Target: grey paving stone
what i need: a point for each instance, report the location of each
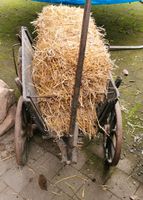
(61, 196)
(96, 147)
(7, 145)
(82, 158)
(89, 169)
(42, 159)
(94, 169)
(6, 165)
(139, 192)
(18, 178)
(138, 171)
(48, 145)
(35, 152)
(32, 191)
(9, 194)
(92, 191)
(2, 185)
(126, 165)
(8, 137)
(69, 180)
(122, 185)
(48, 165)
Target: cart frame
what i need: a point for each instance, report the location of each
(28, 113)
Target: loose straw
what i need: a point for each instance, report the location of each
(54, 63)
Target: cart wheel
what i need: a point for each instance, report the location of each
(21, 132)
(113, 142)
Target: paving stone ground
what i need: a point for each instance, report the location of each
(88, 180)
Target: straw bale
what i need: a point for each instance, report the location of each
(54, 63)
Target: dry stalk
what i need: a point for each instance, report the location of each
(54, 63)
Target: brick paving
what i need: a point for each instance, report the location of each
(85, 181)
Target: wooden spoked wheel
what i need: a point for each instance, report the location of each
(113, 141)
(22, 132)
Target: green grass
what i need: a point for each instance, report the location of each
(122, 22)
(13, 15)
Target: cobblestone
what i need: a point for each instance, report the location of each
(87, 179)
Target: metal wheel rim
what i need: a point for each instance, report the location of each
(21, 138)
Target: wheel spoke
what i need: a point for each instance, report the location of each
(111, 141)
(110, 149)
(113, 145)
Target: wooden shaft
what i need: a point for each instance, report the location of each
(79, 69)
